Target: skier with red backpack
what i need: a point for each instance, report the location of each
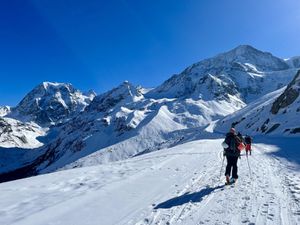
(233, 146)
(248, 141)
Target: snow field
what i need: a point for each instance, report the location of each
(180, 185)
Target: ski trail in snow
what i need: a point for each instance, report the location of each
(193, 183)
(180, 185)
(257, 199)
(203, 185)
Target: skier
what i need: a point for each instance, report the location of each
(241, 137)
(233, 146)
(248, 141)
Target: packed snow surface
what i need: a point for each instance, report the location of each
(179, 185)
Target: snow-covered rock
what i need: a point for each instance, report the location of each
(4, 110)
(244, 72)
(14, 133)
(46, 105)
(50, 103)
(276, 113)
(125, 93)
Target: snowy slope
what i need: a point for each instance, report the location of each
(180, 185)
(274, 114)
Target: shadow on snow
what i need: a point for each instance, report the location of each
(187, 197)
(287, 148)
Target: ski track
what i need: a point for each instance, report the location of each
(180, 185)
(256, 198)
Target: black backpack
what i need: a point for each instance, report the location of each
(233, 142)
(248, 140)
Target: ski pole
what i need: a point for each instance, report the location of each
(221, 167)
(249, 167)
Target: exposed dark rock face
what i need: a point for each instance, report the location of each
(264, 127)
(295, 130)
(4, 127)
(274, 127)
(290, 94)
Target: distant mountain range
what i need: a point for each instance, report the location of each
(56, 126)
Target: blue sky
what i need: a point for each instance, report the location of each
(97, 44)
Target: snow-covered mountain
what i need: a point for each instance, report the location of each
(125, 93)
(276, 113)
(46, 105)
(123, 123)
(49, 103)
(244, 72)
(129, 120)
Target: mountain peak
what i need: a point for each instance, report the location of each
(91, 93)
(248, 55)
(50, 102)
(125, 92)
(126, 88)
(54, 86)
(246, 52)
(245, 48)
(243, 68)
(125, 84)
(46, 84)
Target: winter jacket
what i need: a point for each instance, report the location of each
(233, 141)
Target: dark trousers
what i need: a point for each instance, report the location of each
(232, 163)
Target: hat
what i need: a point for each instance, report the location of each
(232, 130)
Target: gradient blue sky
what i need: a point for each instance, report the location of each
(97, 44)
